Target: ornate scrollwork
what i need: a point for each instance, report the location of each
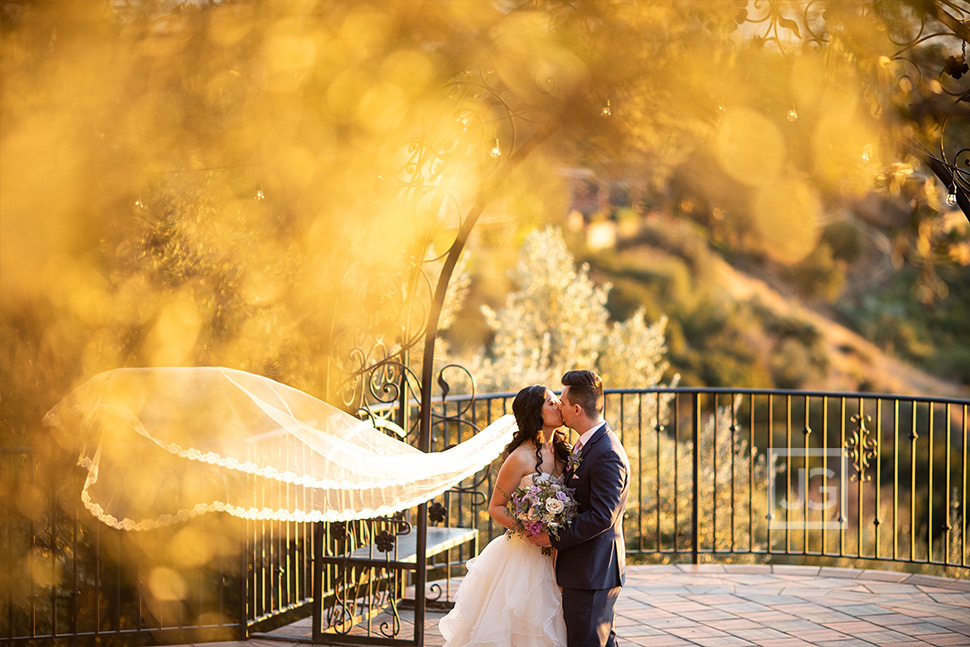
(393, 628)
(861, 448)
(384, 541)
(782, 21)
(362, 590)
(928, 73)
(360, 587)
(466, 405)
(389, 316)
(437, 513)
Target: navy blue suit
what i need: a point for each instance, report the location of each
(591, 563)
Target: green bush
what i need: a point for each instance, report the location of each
(793, 365)
(819, 275)
(845, 239)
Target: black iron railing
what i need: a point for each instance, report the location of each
(716, 475)
(775, 475)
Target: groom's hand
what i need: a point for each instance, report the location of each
(542, 539)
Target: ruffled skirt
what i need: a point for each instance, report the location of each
(509, 597)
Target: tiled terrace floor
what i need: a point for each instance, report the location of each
(778, 606)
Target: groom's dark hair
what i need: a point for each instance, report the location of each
(586, 390)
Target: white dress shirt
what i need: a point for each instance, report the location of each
(585, 437)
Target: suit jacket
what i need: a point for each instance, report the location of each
(592, 552)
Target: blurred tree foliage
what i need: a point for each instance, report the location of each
(271, 185)
(556, 318)
(257, 184)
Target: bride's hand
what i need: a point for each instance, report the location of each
(541, 539)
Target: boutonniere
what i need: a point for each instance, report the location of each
(575, 460)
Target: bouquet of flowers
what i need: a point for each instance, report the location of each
(541, 506)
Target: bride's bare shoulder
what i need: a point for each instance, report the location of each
(521, 455)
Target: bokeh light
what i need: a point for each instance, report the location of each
(246, 183)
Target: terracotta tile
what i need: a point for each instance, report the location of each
(830, 571)
(754, 579)
(853, 627)
(786, 570)
(946, 639)
(920, 629)
(795, 627)
(703, 568)
(730, 626)
(712, 598)
(715, 605)
(895, 618)
(714, 590)
(867, 610)
(883, 576)
(661, 641)
(692, 633)
(887, 637)
(931, 580)
(652, 612)
(818, 635)
(741, 607)
(711, 615)
(760, 636)
(725, 641)
(639, 632)
(748, 568)
(950, 616)
(769, 617)
(668, 623)
(827, 617)
(954, 599)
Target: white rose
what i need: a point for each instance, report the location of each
(555, 506)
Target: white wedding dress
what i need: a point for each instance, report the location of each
(508, 598)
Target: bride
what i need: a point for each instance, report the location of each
(510, 595)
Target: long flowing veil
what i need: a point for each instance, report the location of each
(161, 445)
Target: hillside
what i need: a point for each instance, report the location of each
(747, 325)
(849, 353)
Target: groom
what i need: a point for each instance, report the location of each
(591, 562)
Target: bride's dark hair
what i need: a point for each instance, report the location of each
(527, 409)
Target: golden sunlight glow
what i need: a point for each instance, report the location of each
(166, 585)
(601, 235)
(245, 183)
(749, 147)
(786, 215)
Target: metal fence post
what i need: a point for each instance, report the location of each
(695, 512)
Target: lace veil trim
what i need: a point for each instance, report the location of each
(163, 445)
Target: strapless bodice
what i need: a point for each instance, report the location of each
(536, 478)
